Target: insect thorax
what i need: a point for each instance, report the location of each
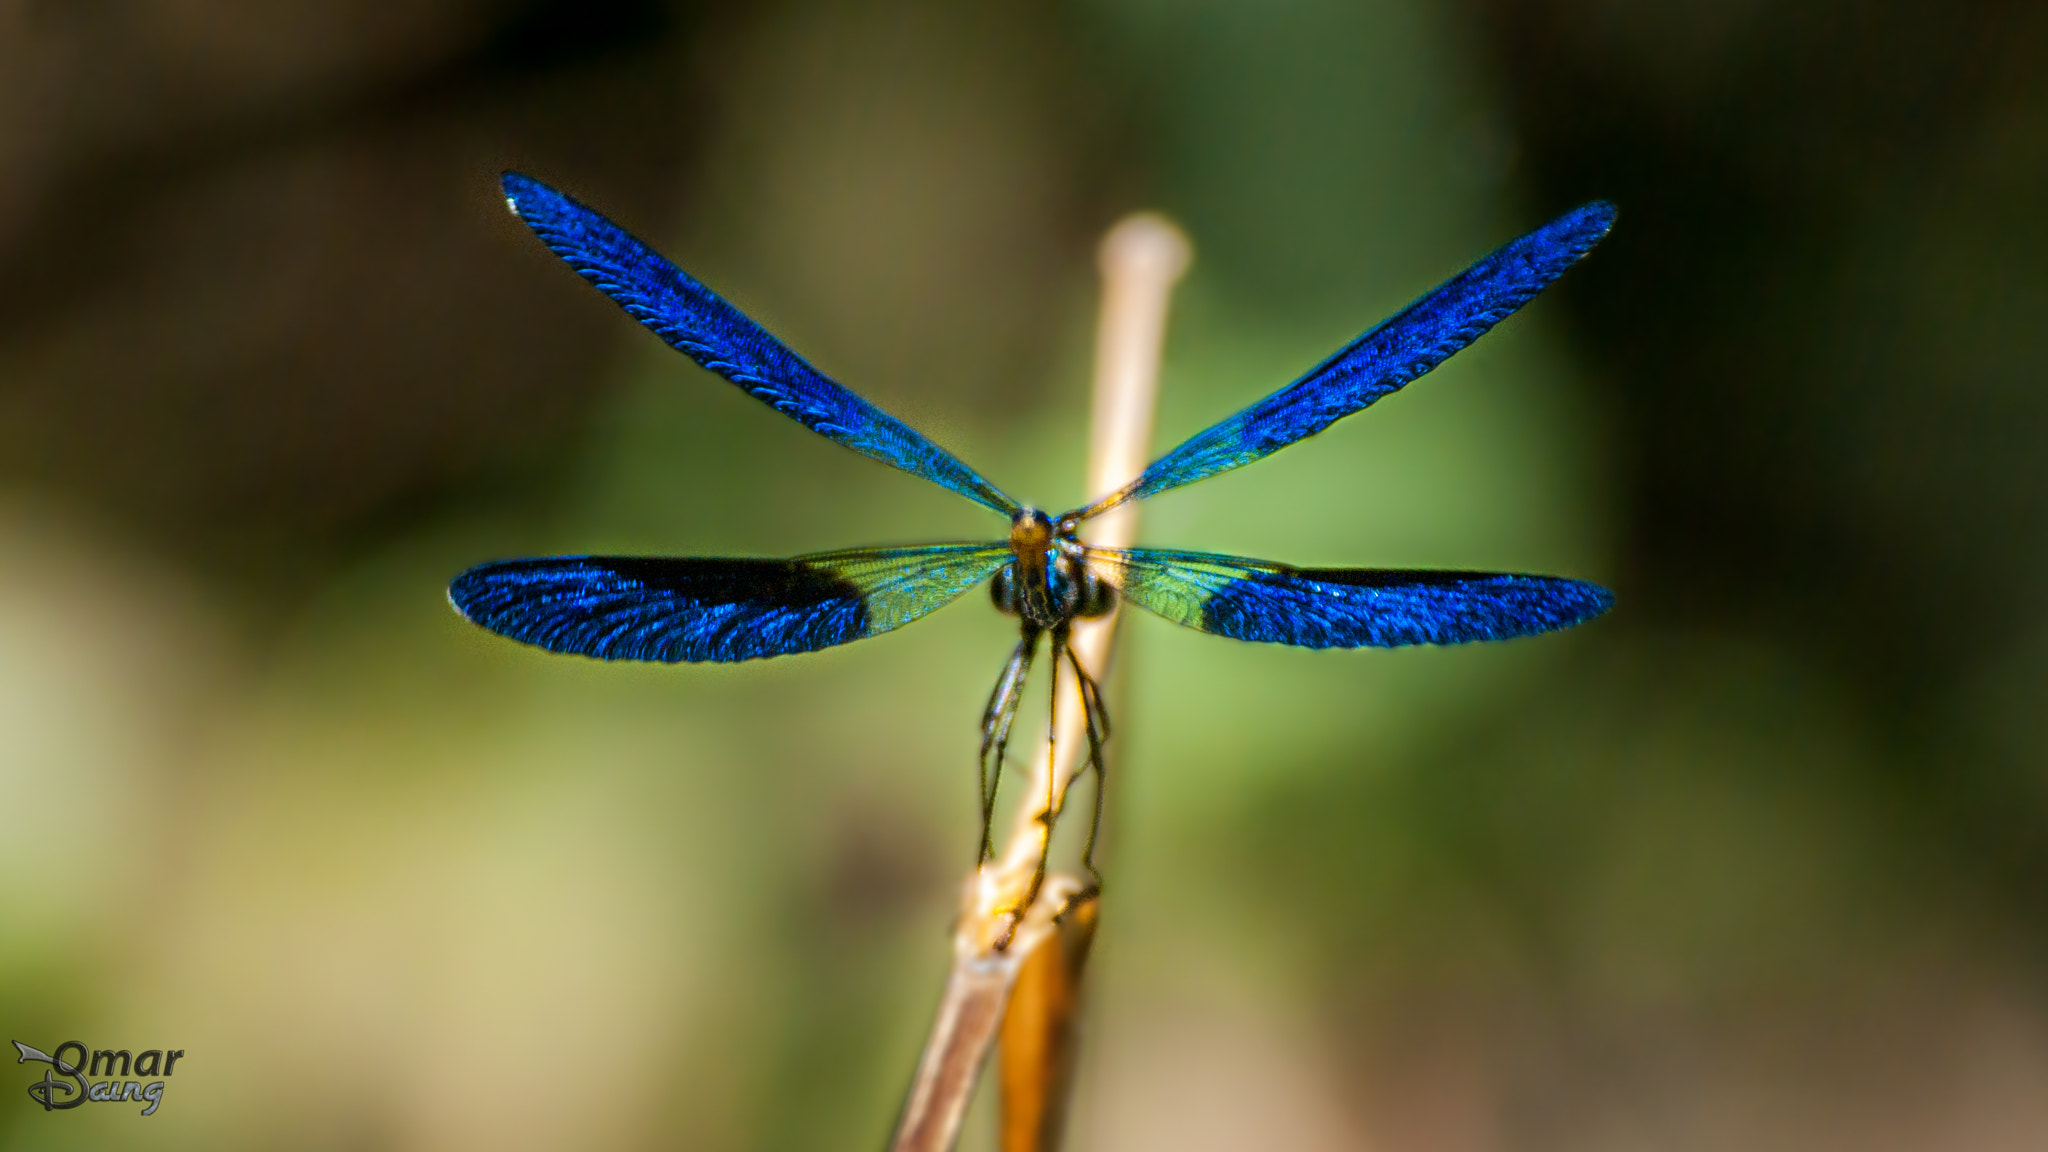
(1045, 582)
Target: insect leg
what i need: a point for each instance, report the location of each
(1050, 812)
(995, 727)
(1097, 717)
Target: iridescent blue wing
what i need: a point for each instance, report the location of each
(1401, 348)
(672, 609)
(1343, 607)
(695, 321)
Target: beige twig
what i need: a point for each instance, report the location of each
(1141, 258)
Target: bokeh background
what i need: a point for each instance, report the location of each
(1754, 862)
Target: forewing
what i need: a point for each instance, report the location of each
(674, 610)
(1401, 348)
(694, 320)
(1343, 607)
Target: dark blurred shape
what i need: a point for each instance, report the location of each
(554, 33)
(1821, 322)
(1821, 315)
(257, 290)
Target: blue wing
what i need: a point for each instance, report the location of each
(1343, 607)
(673, 610)
(1399, 349)
(695, 321)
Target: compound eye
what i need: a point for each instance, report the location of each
(1096, 598)
(1002, 589)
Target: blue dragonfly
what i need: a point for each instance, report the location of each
(727, 609)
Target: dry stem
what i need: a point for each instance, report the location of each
(1140, 259)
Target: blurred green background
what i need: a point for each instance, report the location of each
(1754, 862)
